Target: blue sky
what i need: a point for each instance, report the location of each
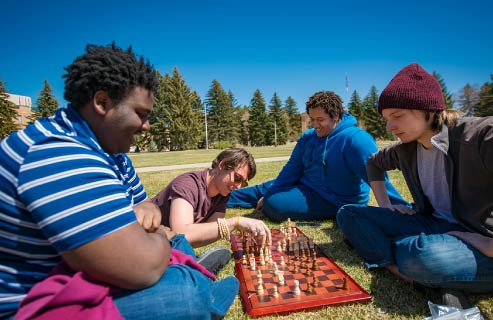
(293, 48)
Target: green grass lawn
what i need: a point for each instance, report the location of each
(392, 298)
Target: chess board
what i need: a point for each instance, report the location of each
(333, 285)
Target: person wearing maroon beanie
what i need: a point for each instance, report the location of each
(444, 243)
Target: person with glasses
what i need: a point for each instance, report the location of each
(326, 169)
(194, 204)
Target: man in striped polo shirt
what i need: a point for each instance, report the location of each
(68, 191)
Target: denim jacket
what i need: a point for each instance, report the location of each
(469, 171)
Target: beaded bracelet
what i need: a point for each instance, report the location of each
(223, 229)
(237, 223)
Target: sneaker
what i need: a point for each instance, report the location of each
(454, 298)
(214, 259)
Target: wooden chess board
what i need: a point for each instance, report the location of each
(327, 285)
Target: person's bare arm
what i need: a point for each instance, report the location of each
(148, 215)
(201, 234)
(129, 258)
(383, 200)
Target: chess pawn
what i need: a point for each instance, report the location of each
(279, 246)
(283, 245)
(297, 290)
(243, 261)
(259, 277)
(275, 294)
(282, 261)
(315, 264)
(252, 264)
(262, 259)
(275, 267)
(280, 276)
(260, 290)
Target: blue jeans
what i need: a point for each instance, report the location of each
(419, 247)
(181, 293)
(298, 203)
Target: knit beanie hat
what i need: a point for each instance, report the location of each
(412, 88)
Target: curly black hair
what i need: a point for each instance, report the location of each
(110, 69)
(328, 101)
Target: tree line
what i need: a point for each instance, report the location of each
(182, 121)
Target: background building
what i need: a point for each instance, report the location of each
(23, 105)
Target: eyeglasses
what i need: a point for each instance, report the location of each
(240, 180)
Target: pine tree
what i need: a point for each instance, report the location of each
(159, 132)
(355, 107)
(220, 116)
(236, 127)
(294, 119)
(184, 126)
(468, 99)
(277, 127)
(374, 123)
(176, 122)
(485, 107)
(47, 104)
(447, 96)
(258, 119)
(8, 113)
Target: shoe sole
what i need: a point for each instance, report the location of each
(214, 259)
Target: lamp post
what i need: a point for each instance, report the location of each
(205, 121)
(275, 132)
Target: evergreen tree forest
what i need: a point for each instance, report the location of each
(182, 121)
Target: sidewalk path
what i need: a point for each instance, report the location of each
(200, 165)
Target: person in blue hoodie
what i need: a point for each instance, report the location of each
(326, 169)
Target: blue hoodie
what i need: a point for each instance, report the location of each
(334, 166)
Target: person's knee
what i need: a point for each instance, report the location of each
(272, 209)
(345, 216)
(424, 259)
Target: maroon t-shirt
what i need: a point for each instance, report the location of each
(190, 186)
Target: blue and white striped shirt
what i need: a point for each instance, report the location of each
(58, 191)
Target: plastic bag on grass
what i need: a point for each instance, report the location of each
(441, 312)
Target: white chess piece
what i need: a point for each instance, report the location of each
(276, 292)
(297, 290)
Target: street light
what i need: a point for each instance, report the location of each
(205, 120)
(275, 126)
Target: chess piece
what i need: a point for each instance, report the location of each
(282, 261)
(279, 246)
(315, 265)
(259, 277)
(344, 283)
(260, 290)
(297, 290)
(280, 276)
(262, 259)
(275, 294)
(252, 264)
(315, 282)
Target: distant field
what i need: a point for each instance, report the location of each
(392, 299)
(152, 159)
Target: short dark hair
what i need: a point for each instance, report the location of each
(235, 158)
(328, 101)
(110, 69)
